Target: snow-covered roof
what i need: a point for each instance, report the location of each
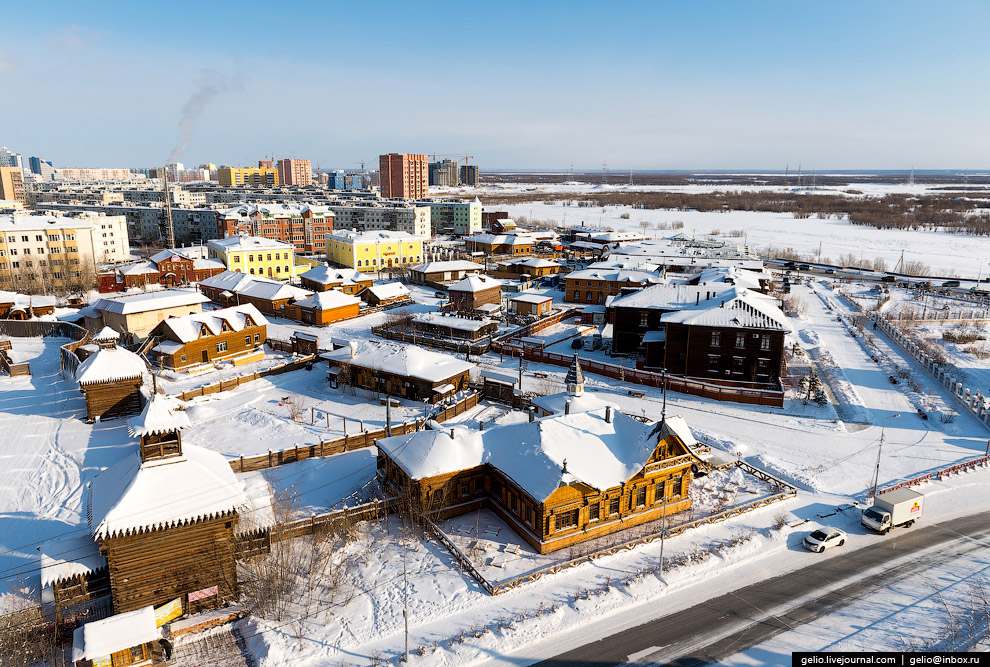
(618, 275)
(389, 291)
(401, 360)
(275, 210)
(453, 265)
(187, 328)
(744, 309)
(24, 301)
(327, 275)
(531, 298)
(106, 333)
(475, 284)
(240, 242)
(141, 303)
(131, 497)
(207, 264)
(168, 347)
(600, 453)
(586, 402)
(371, 236)
(519, 239)
(161, 414)
(258, 287)
(460, 323)
(139, 269)
(110, 365)
(70, 556)
(532, 262)
(188, 253)
(99, 639)
(328, 300)
(677, 297)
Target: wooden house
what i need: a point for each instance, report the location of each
(138, 314)
(165, 518)
(448, 327)
(73, 572)
(237, 334)
(443, 273)
(110, 378)
(385, 295)
(518, 244)
(271, 297)
(122, 640)
(525, 268)
(323, 308)
(537, 305)
(596, 285)
(323, 277)
(15, 306)
(400, 370)
(557, 480)
(473, 292)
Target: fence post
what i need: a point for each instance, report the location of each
(269, 458)
(242, 463)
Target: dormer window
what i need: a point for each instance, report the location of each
(204, 330)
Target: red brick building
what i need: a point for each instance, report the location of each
(167, 267)
(404, 176)
(303, 226)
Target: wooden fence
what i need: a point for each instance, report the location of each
(233, 383)
(347, 443)
(38, 329)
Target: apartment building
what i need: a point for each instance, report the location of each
(295, 172)
(454, 216)
(12, 184)
(404, 176)
(191, 224)
(374, 250)
(252, 176)
(94, 174)
(469, 174)
(57, 249)
(444, 173)
(364, 216)
(303, 226)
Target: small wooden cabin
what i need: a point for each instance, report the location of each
(473, 292)
(323, 308)
(164, 518)
(123, 640)
(385, 295)
(321, 278)
(110, 378)
(531, 304)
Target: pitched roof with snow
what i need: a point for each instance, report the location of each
(452, 265)
(69, 556)
(475, 284)
(602, 454)
(459, 323)
(131, 497)
(531, 298)
(141, 303)
(617, 275)
(110, 365)
(677, 297)
(160, 415)
(328, 300)
(402, 360)
(100, 639)
(744, 310)
(327, 275)
(139, 269)
(187, 328)
(258, 287)
(106, 333)
(389, 291)
(248, 243)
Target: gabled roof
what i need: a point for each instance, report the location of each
(677, 297)
(327, 275)
(388, 291)
(475, 283)
(139, 269)
(99, 639)
(401, 360)
(106, 333)
(328, 300)
(161, 415)
(618, 275)
(258, 287)
(452, 265)
(187, 328)
(141, 303)
(745, 310)
(459, 323)
(110, 365)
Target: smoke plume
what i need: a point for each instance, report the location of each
(210, 85)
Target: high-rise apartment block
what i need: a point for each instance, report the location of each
(260, 177)
(404, 176)
(42, 169)
(444, 173)
(9, 158)
(12, 184)
(469, 174)
(295, 172)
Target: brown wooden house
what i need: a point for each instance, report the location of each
(399, 370)
(447, 327)
(473, 292)
(269, 296)
(596, 285)
(110, 378)
(122, 640)
(443, 272)
(526, 267)
(531, 304)
(169, 268)
(323, 277)
(386, 295)
(165, 516)
(557, 481)
(237, 333)
(323, 308)
(15, 306)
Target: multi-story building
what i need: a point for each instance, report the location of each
(94, 174)
(404, 176)
(56, 251)
(43, 170)
(255, 256)
(454, 216)
(9, 158)
(192, 225)
(596, 285)
(12, 184)
(336, 179)
(374, 250)
(257, 177)
(469, 174)
(363, 216)
(295, 172)
(444, 173)
(304, 226)
(169, 268)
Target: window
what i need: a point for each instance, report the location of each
(39, 237)
(644, 318)
(658, 492)
(25, 239)
(278, 270)
(641, 496)
(465, 489)
(716, 339)
(613, 506)
(713, 363)
(250, 258)
(222, 346)
(738, 363)
(589, 297)
(740, 340)
(269, 257)
(252, 270)
(27, 251)
(479, 485)
(675, 489)
(13, 252)
(594, 512)
(257, 338)
(568, 519)
(182, 358)
(765, 342)
(762, 367)
(247, 340)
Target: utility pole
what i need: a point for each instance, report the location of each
(405, 599)
(876, 473)
(663, 420)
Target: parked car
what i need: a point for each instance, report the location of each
(950, 283)
(829, 271)
(440, 295)
(577, 343)
(825, 538)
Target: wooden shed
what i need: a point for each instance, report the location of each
(323, 308)
(385, 295)
(531, 304)
(110, 378)
(122, 640)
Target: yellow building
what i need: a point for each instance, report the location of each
(12, 184)
(373, 250)
(254, 255)
(255, 176)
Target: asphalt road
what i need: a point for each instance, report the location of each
(720, 627)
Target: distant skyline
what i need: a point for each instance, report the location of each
(637, 85)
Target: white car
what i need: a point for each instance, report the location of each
(825, 538)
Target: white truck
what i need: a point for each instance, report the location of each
(901, 507)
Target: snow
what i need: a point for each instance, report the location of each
(161, 414)
(69, 556)
(452, 265)
(389, 291)
(461, 323)
(554, 403)
(475, 283)
(140, 303)
(743, 309)
(328, 300)
(106, 333)
(401, 360)
(98, 639)
(248, 243)
(325, 275)
(187, 328)
(110, 365)
(531, 298)
(132, 497)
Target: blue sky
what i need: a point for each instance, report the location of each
(641, 85)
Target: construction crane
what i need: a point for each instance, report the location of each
(362, 165)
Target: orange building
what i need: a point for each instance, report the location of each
(295, 172)
(404, 176)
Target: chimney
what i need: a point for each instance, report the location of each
(722, 304)
(532, 414)
(567, 408)
(697, 298)
(608, 414)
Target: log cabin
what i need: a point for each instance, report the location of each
(525, 268)
(385, 295)
(537, 305)
(323, 277)
(448, 327)
(444, 272)
(165, 517)
(271, 297)
(122, 640)
(473, 292)
(323, 308)
(110, 378)
(237, 334)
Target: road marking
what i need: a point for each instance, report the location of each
(635, 657)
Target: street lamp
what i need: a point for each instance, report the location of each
(876, 473)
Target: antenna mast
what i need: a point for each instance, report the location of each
(604, 173)
(168, 228)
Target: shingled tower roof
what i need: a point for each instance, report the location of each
(575, 378)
